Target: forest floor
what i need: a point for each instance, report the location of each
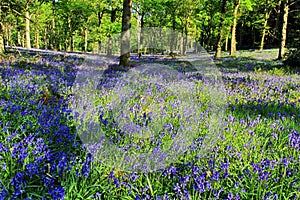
(76, 126)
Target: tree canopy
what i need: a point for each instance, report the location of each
(90, 25)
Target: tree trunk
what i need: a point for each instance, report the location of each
(52, 32)
(140, 36)
(125, 38)
(19, 37)
(8, 35)
(113, 17)
(70, 48)
(86, 39)
(100, 16)
(37, 33)
(219, 44)
(233, 35)
(1, 40)
(27, 29)
(37, 39)
(262, 42)
(45, 39)
(185, 39)
(172, 42)
(109, 46)
(226, 40)
(284, 30)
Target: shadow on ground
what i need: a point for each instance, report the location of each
(248, 64)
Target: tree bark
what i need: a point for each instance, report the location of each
(226, 40)
(86, 38)
(27, 29)
(172, 41)
(233, 35)
(140, 36)
(52, 32)
(185, 39)
(100, 16)
(262, 42)
(45, 39)
(37, 39)
(1, 39)
(219, 44)
(113, 17)
(284, 29)
(125, 38)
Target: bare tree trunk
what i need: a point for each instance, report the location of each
(219, 44)
(19, 38)
(27, 29)
(45, 39)
(70, 48)
(86, 39)
(37, 39)
(113, 17)
(172, 45)
(233, 35)
(100, 16)
(284, 29)
(185, 39)
(226, 42)
(262, 42)
(125, 40)
(37, 33)
(109, 46)
(1, 39)
(140, 36)
(8, 35)
(52, 32)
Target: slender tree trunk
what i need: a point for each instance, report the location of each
(27, 29)
(1, 39)
(226, 41)
(19, 37)
(233, 35)
(284, 29)
(219, 44)
(262, 42)
(172, 45)
(37, 39)
(109, 46)
(125, 40)
(185, 39)
(100, 16)
(8, 35)
(86, 39)
(37, 33)
(52, 32)
(70, 48)
(140, 35)
(45, 39)
(113, 17)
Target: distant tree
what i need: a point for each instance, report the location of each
(125, 38)
(1, 39)
(285, 11)
(220, 38)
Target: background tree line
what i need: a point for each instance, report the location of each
(90, 25)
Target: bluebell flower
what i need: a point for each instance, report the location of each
(57, 193)
(3, 193)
